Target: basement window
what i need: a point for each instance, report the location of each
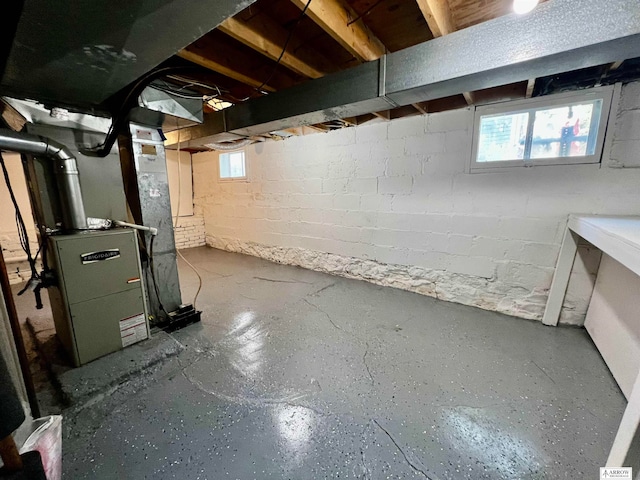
(232, 166)
(558, 129)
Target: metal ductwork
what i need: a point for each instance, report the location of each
(558, 36)
(66, 172)
(79, 54)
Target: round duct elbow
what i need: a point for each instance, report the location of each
(230, 146)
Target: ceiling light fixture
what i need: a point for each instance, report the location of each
(524, 6)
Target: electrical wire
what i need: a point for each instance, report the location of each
(181, 95)
(171, 91)
(366, 12)
(198, 84)
(190, 83)
(103, 149)
(284, 49)
(175, 226)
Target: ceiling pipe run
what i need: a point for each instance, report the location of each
(557, 37)
(66, 172)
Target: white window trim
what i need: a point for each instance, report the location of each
(246, 167)
(608, 109)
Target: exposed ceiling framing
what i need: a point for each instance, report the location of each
(449, 72)
(275, 44)
(260, 48)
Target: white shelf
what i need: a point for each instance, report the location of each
(618, 237)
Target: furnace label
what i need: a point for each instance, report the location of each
(133, 329)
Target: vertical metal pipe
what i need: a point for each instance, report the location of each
(68, 182)
(66, 172)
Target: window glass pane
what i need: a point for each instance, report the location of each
(224, 165)
(502, 137)
(236, 164)
(232, 165)
(566, 131)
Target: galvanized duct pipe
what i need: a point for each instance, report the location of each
(66, 171)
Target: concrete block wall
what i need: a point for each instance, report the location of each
(190, 232)
(391, 203)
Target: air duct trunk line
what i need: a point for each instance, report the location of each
(66, 172)
(382, 86)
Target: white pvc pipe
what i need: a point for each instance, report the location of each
(152, 230)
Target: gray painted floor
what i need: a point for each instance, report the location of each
(299, 375)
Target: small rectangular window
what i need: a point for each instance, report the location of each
(232, 165)
(558, 129)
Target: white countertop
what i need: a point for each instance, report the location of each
(617, 236)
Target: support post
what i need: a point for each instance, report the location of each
(561, 278)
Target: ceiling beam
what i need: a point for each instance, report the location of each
(338, 19)
(420, 107)
(468, 97)
(384, 115)
(14, 120)
(221, 65)
(438, 16)
(616, 65)
(268, 37)
(531, 84)
(530, 38)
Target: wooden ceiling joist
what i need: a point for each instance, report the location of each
(340, 21)
(221, 53)
(385, 115)
(220, 64)
(268, 37)
(420, 107)
(531, 84)
(468, 97)
(438, 15)
(319, 127)
(14, 120)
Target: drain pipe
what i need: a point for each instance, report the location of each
(66, 171)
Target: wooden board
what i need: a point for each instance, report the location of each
(471, 12)
(397, 23)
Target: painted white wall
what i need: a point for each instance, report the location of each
(390, 203)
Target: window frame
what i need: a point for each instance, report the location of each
(244, 160)
(606, 94)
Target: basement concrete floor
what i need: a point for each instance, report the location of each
(294, 374)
